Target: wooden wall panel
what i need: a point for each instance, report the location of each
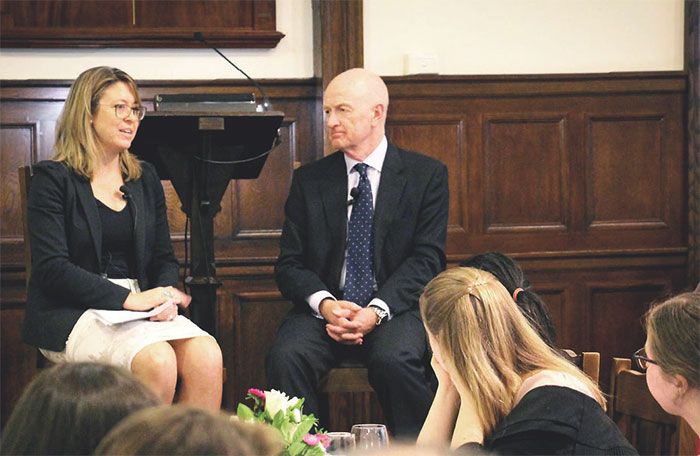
(557, 299)
(530, 147)
(552, 170)
(22, 140)
(626, 172)
(609, 304)
(442, 138)
(254, 318)
(255, 199)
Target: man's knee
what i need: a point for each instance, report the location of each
(388, 367)
(282, 359)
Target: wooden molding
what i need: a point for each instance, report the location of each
(692, 66)
(139, 38)
(137, 24)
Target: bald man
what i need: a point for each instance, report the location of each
(401, 199)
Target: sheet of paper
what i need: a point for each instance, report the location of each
(115, 317)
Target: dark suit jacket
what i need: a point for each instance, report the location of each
(410, 224)
(66, 239)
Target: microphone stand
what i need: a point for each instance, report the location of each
(266, 102)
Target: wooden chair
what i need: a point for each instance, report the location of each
(588, 362)
(347, 398)
(641, 419)
(25, 180)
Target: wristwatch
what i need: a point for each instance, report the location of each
(381, 314)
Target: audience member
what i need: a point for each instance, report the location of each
(100, 240)
(68, 408)
(508, 272)
(671, 356)
(501, 387)
(364, 231)
(186, 430)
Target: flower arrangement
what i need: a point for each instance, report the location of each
(284, 414)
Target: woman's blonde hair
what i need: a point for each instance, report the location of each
(76, 143)
(673, 330)
(486, 340)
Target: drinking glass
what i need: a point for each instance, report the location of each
(370, 436)
(341, 444)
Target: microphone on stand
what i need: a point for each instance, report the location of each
(354, 193)
(266, 102)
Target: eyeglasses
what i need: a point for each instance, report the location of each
(640, 356)
(122, 111)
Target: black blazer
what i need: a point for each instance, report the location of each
(410, 225)
(66, 240)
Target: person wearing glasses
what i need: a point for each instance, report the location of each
(100, 240)
(500, 386)
(671, 356)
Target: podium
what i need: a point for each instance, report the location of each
(200, 153)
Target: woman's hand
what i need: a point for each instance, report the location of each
(444, 379)
(146, 300)
(169, 314)
(440, 422)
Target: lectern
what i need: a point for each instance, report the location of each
(200, 153)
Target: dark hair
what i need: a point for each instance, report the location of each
(186, 430)
(507, 271)
(68, 408)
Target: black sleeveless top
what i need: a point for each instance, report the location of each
(117, 241)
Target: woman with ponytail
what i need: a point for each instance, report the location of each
(500, 386)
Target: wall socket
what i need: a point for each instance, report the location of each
(419, 63)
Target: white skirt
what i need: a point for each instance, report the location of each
(93, 340)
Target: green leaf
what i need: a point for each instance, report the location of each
(303, 429)
(295, 449)
(313, 451)
(244, 412)
(278, 419)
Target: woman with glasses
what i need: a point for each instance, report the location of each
(500, 386)
(671, 356)
(100, 240)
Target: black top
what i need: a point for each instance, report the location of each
(66, 239)
(555, 420)
(117, 241)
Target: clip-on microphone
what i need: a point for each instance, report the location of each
(354, 193)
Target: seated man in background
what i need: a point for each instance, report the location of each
(364, 232)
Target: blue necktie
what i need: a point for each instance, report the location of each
(359, 279)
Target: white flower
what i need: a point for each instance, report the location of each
(297, 416)
(277, 400)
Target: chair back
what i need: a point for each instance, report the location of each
(25, 180)
(588, 362)
(641, 419)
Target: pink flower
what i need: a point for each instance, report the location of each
(325, 440)
(311, 440)
(256, 392)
